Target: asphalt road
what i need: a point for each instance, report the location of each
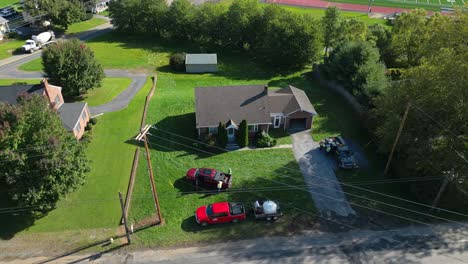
(443, 244)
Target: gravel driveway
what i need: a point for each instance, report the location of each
(327, 194)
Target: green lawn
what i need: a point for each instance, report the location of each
(399, 4)
(4, 3)
(111, 87)
(317, 12)
(172, 108)
(96, 203)
(7, 47)
(18, 81)
(85, 25)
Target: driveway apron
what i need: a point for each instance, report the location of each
(318, 172)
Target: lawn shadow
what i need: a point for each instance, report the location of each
(14, 222)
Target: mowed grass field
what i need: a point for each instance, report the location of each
(84, 25)
(430, 5)
(96, 204)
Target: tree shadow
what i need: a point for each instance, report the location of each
(15, 221)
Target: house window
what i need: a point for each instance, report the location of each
(83, 115)
(78, 127)
(212, 130)
(57, 100)
(253, 128)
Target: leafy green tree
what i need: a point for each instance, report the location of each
(352, 29)
(139, 16)
(427, 147)
(243, 136)
(410, 36)
(59, 12)
(207, 21)
(289, 40)
(357, 66)
(180, 18)
(331, 24)
(71, 65)
(41, 161)
(241, 23)
(222, 138)
(382, 37)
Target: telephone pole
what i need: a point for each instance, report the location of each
(129, 240)
(153, 185)
(402, 124)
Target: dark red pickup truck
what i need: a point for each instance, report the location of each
(223, 212)
(209, 177)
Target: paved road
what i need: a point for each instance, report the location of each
(417, 244)
(327, 194)
(9, 69)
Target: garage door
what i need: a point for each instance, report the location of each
(297, 124)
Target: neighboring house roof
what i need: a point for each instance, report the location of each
(9, 94)
(70, 114)
(201, 59)
(253, 103)
(3, 20)
(220, 104)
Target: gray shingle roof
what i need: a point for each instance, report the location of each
(70, 114)
(249, 102)
(9, 94)
(201, 59)
(220, 104)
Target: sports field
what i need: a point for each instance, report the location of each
(377, 6)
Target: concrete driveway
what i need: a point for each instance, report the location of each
(319, 174)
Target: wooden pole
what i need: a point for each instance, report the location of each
(153, 185)
(441, 191)
(402, 123)
(124, 218)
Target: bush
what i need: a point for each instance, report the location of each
(88, 127)
(210, 140)
(177, 62)
(263, 140)
(93, 121)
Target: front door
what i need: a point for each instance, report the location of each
(277, 121)
(230, 133)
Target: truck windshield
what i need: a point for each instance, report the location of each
(209, 210)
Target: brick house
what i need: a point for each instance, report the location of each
(74, 116)
(287, 108)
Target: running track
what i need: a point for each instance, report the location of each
(343, 6)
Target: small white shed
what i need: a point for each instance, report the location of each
(201, 63)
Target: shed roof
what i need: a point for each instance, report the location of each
(201, 59)
(70, 114)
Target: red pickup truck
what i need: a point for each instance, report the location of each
(223, 212)
(209, 177)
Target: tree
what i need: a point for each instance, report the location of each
(382, 37)
(289, 41)
(222, 135)
(357, 66)
(331, 24)
(241, 23)
(243, 136)
(59, 12)
(41, 161)
(207, 21)
(352, 30)
(410, 36)
(180, 17)
(71, 65)
(177, 61)
(138, 16)
(427, 146)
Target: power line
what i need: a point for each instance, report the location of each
(346, 184)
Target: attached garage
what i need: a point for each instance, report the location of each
(298, 124)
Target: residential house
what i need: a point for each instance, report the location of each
(98, 6)
(4, 28)
(196, 63)
(74, 116)
(288, 108)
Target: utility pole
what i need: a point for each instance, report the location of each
(441, 191)
(153, 185)
(129, 240)
(369, 10)
(402, 124)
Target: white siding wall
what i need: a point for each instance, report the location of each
(201, 68)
